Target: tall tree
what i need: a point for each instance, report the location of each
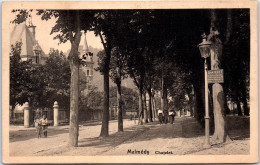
(104, 26)
(69, 25)
(220, 133)
(236, 54)
(57, 85)
(118, 72)
(105, 71)
(137, 25)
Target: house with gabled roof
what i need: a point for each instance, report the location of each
(30, 50)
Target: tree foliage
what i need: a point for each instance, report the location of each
(129, 98)
(40, 85)
(19, 77)
(57, 74)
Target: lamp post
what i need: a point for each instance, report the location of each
(204, 48)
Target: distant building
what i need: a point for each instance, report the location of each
(30, 50)
(87, 69)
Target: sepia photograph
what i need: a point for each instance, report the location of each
(130, 82)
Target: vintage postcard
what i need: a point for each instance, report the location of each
(130, 82)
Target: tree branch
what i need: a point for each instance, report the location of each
(229, 25)
(102, 40)
(133, 75)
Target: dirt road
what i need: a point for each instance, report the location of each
(24, 141)
(185, 136)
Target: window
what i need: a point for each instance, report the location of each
(87, 72)
(37, 60)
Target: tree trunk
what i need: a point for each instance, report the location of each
(220, 132)
(154, 108)
(191, 110)
(140, 107)
(245, 106)
(163, 95)
(195, 109)
(226, 106)
(120, 113)
(239, 111)
(199, 106)
(12, 112)
(105, 120)
(191, 102)
(74, 84)
(150, 106)
(74, 105)
(229, 26)
(145, 108)
(227, 44)
(165, 100)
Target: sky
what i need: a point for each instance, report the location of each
(46, 41)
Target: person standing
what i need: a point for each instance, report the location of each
(44, 124)
(160, 114)
(171, 115)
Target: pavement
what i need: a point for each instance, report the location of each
(184, 136)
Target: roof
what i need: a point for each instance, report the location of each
(22, 33)
(85, 45)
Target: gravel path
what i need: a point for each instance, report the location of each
(24, 141)
(183, 137)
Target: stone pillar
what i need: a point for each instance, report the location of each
(115, 112)
(110, 113)
(26, 113)
(179, 113)
(55, 114)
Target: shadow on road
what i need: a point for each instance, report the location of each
(114, 139)
(238, 127)
(145, 132)
(185, 127)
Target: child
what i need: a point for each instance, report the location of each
(44, 123)
(38, 127)
(171, 115)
